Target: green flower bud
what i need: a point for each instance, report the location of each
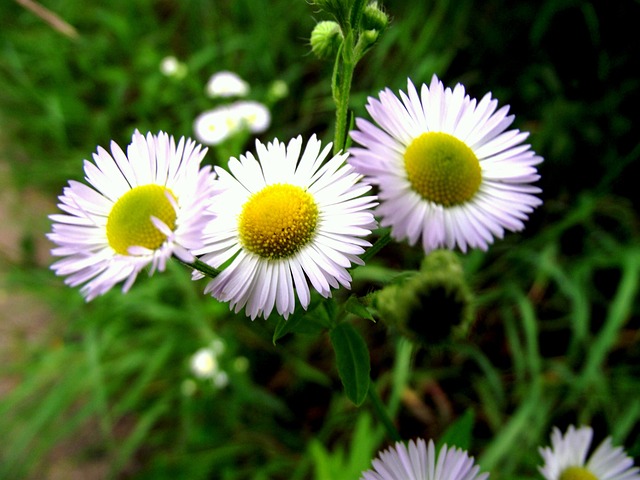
(374, 18)
(430, 306)
(326, 38)
(367, 39)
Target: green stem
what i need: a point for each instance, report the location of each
(202, 267)
(382, 414)
(379, 244)
(356, 14)
(344, 78)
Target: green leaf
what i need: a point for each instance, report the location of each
(459, 432)
(352, 360)
(354, 305)
(295, 323)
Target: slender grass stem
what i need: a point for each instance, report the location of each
(99, 388)
(619, 311)
(382, 414)
(378, 245)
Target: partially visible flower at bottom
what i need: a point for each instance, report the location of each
(141, 208)
(419, 461)
(281, 219)
(566, 459)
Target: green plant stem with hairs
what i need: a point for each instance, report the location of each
(351, 51)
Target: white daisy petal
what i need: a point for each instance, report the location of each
(166, 179)
(292, 219)
(447, 168)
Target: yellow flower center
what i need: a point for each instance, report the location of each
(278, 221)
(442, 169)
(577, 473)
(129, 222)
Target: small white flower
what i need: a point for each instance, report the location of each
(215, 126)
(226, 84)
(141, 208)
(281, 219)
(419, 461)
(171, 67)
(448, 170)
(566, 459)
(204, 363)
(253, 115)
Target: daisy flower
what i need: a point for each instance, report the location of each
(215, 126)
(283, 218)
(566, 459)
(226, 84)
(448, 171)
(419, 461)
(140, 209)
(254, 116)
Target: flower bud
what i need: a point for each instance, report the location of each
(368, 38)
(326, 38)
(432, 305)
(373, 18)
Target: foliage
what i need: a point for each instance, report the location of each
(555, 335)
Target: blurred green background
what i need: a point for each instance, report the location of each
(104, 390)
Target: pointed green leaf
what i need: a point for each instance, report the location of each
(352, 360)
(459, 432)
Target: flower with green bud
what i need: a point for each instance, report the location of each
(430, 306)
(326, 38)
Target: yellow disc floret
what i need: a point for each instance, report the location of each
(577, 473)
(129, 222)
(442, 169)
(278, 221)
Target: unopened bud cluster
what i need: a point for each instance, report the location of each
(327, 36)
